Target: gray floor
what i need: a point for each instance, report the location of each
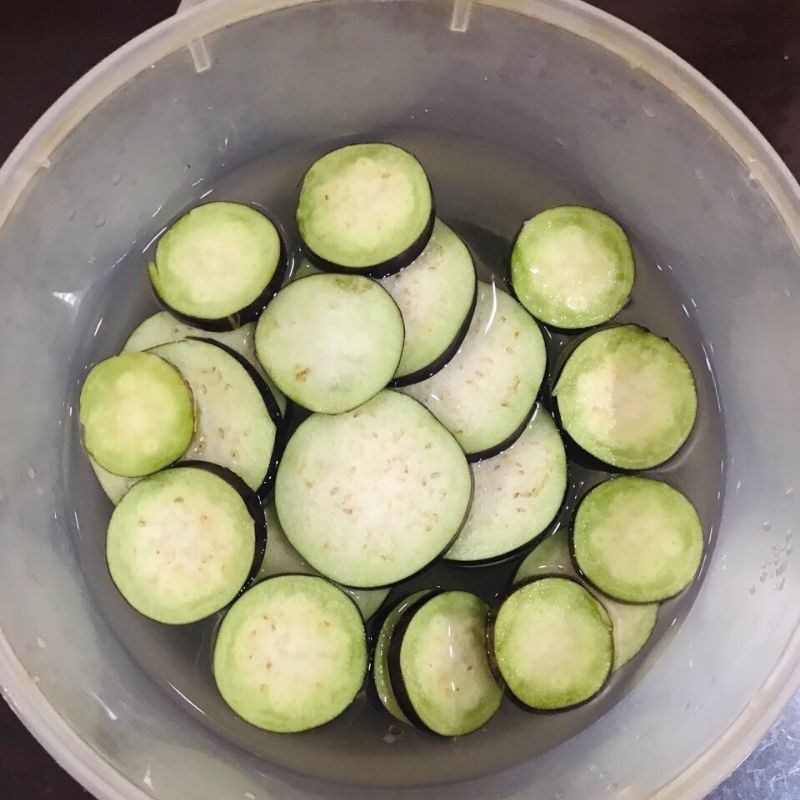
(773, 771)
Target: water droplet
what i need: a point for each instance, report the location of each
(32, 473)
(738, 485)
(687, 707)
(99, 222)
(787, 293)
(249, 796)
(781, 584)
(752, 589)
(115, 179)
(41, 643)
(71, 215)
(766, 525)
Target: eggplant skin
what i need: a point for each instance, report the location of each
(250, 313)
(498, 448)
(396, 673)
(385, 268)
(437, 364)
(494, 610)
(272, 409)
(253, 505)
(504, 558)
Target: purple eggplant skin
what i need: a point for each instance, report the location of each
(496, 449)
(431, 369)
(396, 673)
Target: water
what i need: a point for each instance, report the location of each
(484, 193)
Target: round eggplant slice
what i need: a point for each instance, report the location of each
(380, 661)
(184, 542)
(291, 654)
(486, 394)
(627, 397)
(572, 267)
(218, 266)
(439, 667)
(370, 497)
(552, 644)
(281, 559)
(436, 295)
(136, 414)
(637, 540)
(163, 328)
(517, 495)
(330, 342)
(365, 208)
(633, 624)
(238, 421)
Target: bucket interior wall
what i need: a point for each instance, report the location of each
(537, 79)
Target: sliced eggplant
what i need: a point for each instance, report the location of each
(291, 654)
(572, 267)
(365, 208)
(551, 643)
(436, 295)
(633, 624)
(370, 497)
(380, 661)
(627, 397)
(113, 485)
(184, 542)
(637, 540)
(163, 328)
(237, 419)
(218, 266)
(486, 394)
(517, 495)
(438, 664)
(330, 342)
(281, 558)
(136, 414)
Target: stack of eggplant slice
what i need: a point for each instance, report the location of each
(287, 447)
